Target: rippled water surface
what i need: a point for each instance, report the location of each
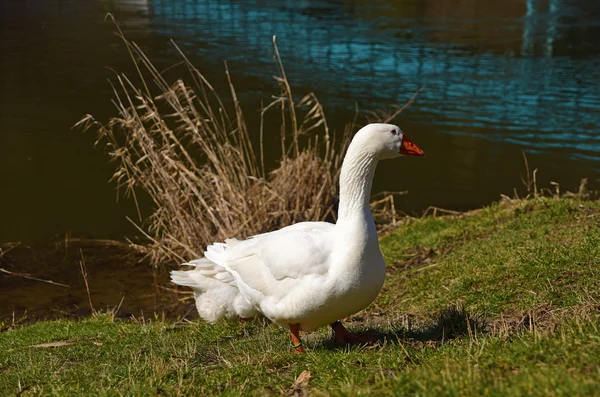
(499, 79)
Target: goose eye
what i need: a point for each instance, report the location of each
(393, 132)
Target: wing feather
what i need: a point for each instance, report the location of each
(272, 263)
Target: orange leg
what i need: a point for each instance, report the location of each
(296, 342)
(342, 335)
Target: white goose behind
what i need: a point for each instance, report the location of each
(308, 274)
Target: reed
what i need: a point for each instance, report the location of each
(193, 156)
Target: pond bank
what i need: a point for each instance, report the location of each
(46, 282)
(499, 301)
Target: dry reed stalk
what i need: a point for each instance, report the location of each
(5, 248)
(29, 277)
(83, 271)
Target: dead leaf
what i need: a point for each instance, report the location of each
(97, 343)
(301, 383)
(60, 343)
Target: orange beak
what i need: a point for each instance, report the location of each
(410, 149)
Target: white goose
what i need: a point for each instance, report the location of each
(308, 274)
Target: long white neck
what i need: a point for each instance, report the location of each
(356, 179)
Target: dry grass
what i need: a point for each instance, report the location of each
(192, 153)
(193, 156)
(532, 191)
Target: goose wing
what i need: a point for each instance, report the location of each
(270, 265)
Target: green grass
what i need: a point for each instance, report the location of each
(504, 259)
(502, 301)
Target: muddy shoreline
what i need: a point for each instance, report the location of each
(118, 276)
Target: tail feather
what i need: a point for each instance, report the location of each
(182, 277)
(215, 291)
(200, 263)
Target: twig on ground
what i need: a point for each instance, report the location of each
(30, 277)
(435, 211)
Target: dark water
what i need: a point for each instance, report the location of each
(119, 280)
(500, 78)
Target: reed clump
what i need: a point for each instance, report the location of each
(191, 153)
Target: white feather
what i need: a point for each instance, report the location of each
(311, 273)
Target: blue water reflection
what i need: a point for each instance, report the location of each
(525, 72)
(500, 77)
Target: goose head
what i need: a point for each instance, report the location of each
(385, 141)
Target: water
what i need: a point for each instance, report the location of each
(499, 79)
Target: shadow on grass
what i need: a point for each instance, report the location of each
(453, 322)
